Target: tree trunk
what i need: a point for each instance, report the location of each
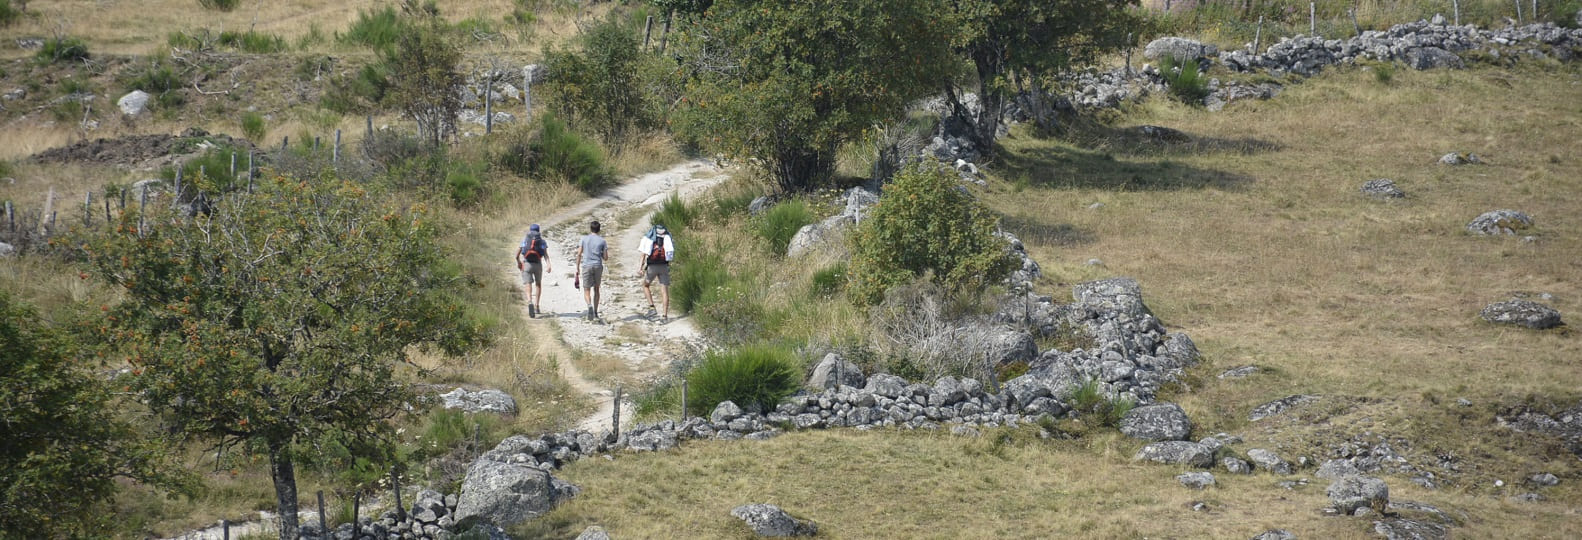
(991, 103)
(799, 169)
(285, 477)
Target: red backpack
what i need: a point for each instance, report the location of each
(534, 250)
(657, 254)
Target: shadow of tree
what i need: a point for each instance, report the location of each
(1035, 231)
(1079, 168)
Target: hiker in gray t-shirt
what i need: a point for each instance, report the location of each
(590, 267)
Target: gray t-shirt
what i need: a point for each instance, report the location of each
(593, 248)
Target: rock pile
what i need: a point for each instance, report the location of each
(1420, 45)
(430, 518)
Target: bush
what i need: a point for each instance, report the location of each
(1106, 410)
(563, 155)
(464, 183)
(253, 126)
(253, 42)
(376, 29)
(828, 282)
(701, 273)
(362, 92)
(62, 49)
(754, 378)
(926, 224)
(1186, 82)
(215, 166)
(675, 214)
(8, 14)
(597, 85)
(156, 79)
(222, 5)
(781, 222)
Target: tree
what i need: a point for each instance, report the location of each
(785, 84)
(424, 81)
(599, 85)
(61, 447)
(280, 318)
(925, 224)
(1011, 43)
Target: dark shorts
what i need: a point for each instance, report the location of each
(533, 272)
(660, 272)
(592, 275)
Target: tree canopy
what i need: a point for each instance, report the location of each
(61, 446)
(282, 317)
(784, 84)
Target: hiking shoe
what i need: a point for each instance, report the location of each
(590, 313)
(651, 311)
(532, 311)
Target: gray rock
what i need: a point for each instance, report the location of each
(1336, 469)
(1433, 58)
(1196, 480)
(1522, 313)
(1177, 453)
(814, 236)
(652, 440)
(1382, 188)
(858, 200)
(535, 73)
(759, 205)
(1178, 48)
(833, 371)
(133, 103)
(1269, 461)
(886, 385)
(1406, 529)
(486, 400)
(1235, 466)
(1157, 422)
(1500, 222)
(1275, 534)
(1348, 494)
(770, 520)
(7, 250)
(1280, 406)
(1544, 480)
(1239, 372)
(964, 431)
(429, 507)
(593, 532)
(761, 435)
(724, 413)
(505, 494)
(1121, 295)
(1452, 159)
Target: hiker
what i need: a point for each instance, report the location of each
(532, 258)
(658, 251)
(590, 267)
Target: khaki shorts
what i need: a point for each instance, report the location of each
(533, 272)
(657, 271)
(592, 275)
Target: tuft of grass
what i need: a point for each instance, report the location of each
(675, 214)
(219, 5)
(376, 29)
(829, 281)
(778, 225)
(702, 273)
(254, 127)
(252, 42)
(754, 377)
(561, 154)
(58, 50)
(8, 15)
(1185, 80)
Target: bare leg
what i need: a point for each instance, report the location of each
(665, 290)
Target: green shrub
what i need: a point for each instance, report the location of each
(362, 92)
(221, 5)
(1106, 410)
(8, 15)
(1383, 72)
(464, 183)
(1185, 81)
(62, 49)
(563, 155)
(315, 36)
(376, 29)
(156, 79)
(781, 222)
(926, 224)
(753, 377)
(729, 316)
(253, 126)
(675, 214)
(450, 428)
(827, 282)
(702, 272)
(597, 85)
(253, 42)
(215, 166)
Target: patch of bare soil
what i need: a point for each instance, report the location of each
(139, 151)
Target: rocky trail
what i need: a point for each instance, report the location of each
(624, 332)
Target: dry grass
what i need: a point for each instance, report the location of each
(931, 485)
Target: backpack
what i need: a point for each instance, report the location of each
(656, 254)
(533, 249)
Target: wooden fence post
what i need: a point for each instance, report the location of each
(233, 165)
(315, 144)
(357, 502)
(49, 209)
(369, 127)
(395, 482)
(1518, 10)
(10, 217)
(1257, 36)
(1456, 5)
(225, 529)
(648, 29)
(615, 413)
(1354, 24)
(142, 202)
(284, 141)
(1312, 19)
(664, 35)
(335, 153)
(177, 195)
(249, 171)
(324, 528)
(106, 206)
(683, 400)
(488, 105)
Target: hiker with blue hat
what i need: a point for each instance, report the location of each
(532, 258)
(658, 251)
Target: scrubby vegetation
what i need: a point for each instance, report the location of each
(755, 377)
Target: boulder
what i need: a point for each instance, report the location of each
(134, 102)
(1522, 313)
(1269, 461)
(815, 236)
(1275, 534)
(1407, 529)
(1498, 222)
(724, 413)
(1121, 295)
(593, 532)
(1544, 480)
(770, 520)
(1433, 58)
(486, 400)
(653, 440)
(1382, 188)
(7, 250)
(1196, 480)
(1336, 469)
(1177, 453)
(833, 372)
(429, 507)
(1280, 406)
(1239, 372)
(1350, 493)
(1179, 49)
(505, 494)
(885, 385)
(1157, 422)
(1235, 466)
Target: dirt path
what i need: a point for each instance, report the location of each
(625, 342)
